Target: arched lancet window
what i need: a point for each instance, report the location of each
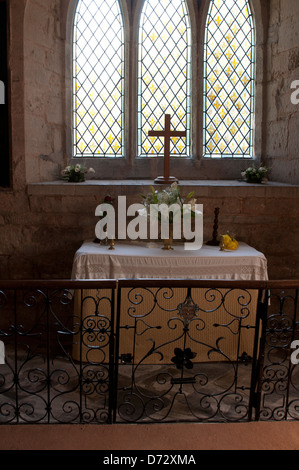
(229, 77)
(164, 75)
(98, 84)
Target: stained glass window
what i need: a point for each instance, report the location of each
(98, 87)
(229, 74)
(164, 74)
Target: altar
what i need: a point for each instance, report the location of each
(143, 260)
(138, 260)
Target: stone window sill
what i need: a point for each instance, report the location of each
(211, 188)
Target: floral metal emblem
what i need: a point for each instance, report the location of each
(183, 358)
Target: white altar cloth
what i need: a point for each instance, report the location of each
(147, 260)
(136, 260)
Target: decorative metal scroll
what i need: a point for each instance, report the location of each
(279, 378)
(42, 381)
(177, 369)
(174, 354)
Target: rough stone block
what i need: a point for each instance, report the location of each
(288, 34)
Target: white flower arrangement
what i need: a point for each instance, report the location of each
(169, 197)
(76, 173)
(255, 175)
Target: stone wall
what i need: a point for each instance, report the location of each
(282, 143)
(44, 77)
(39, 239)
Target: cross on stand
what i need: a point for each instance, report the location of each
(167, 134)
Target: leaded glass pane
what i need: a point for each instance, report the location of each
(98, 79)
(229, 73)
(164, 75)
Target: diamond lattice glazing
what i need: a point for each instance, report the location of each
(98, 85)
(164, 75)
(229, 74)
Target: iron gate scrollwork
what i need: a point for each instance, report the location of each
(146, 351)
(186, 357)
(278, 383)
(58, 342)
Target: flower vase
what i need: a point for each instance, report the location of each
(254, 179)
(77, 179)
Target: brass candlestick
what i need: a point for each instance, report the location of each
(111, 244)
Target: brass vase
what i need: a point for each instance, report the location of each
(167, 242)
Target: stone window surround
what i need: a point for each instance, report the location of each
(197, 166)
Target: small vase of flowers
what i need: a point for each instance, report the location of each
(76, 173)
(255, 174)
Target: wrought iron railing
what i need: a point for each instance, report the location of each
(143, 351)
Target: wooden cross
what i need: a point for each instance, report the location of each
(167, 134)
